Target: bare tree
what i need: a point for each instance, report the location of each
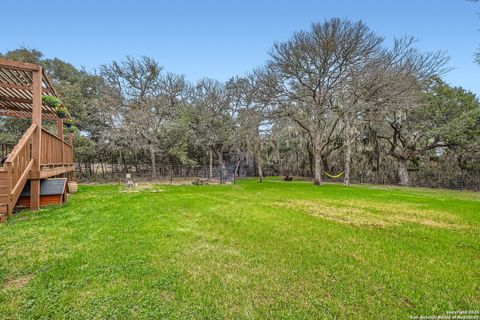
(409, 73)
(364, 82)
(213, 121)
(304, 75)
(149, 99)
(244, 97)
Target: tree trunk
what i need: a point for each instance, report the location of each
(318, 165)
(236, 173)
(348, 152)
(223, 169)
(210, 172)
(258, 156)
(403, 172)
(348, 160)
(103, 168)
(152, 159)
(310, 161)
(119, 163)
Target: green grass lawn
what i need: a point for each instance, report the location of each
(274, 250)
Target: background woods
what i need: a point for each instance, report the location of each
(332, 99)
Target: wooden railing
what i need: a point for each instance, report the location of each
(19, 163)
(67, 153)
(55, 151)
(56, 157)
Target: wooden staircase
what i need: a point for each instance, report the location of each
(55, 158)
(16, 171)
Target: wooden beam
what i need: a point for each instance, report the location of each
(37, 138)
(9, 169)
(22, 87)
(18, 65)
(24, 114)
(60, 135)
(19, 100)
(49, 82)
(60, 128)
(14, 107)
(71, 176)
(12, 113)
(34, 194)
(17, 189)
(52, 172)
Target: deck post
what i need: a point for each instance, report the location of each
(70, 142)
(10, 203)
(36, 139)
(60, 136)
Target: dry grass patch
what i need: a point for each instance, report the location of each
(382, 215)
(17, 283)
(141, 187)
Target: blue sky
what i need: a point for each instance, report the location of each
(220, 39)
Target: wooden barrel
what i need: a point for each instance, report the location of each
(72, 186)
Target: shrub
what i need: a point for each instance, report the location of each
(68, 122)
(61, 111)
(51, 101)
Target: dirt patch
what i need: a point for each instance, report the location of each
(165, 181)
(141, 187)
(17, 283)
(384, 215)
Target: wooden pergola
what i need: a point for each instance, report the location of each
(17, 85)
(39, 154)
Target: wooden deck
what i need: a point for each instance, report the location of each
(39, 154)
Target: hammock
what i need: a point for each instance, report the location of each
(334, 176)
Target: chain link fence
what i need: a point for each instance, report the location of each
(463, 180)
(173, 174)
(181, 174)
(459, 180)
